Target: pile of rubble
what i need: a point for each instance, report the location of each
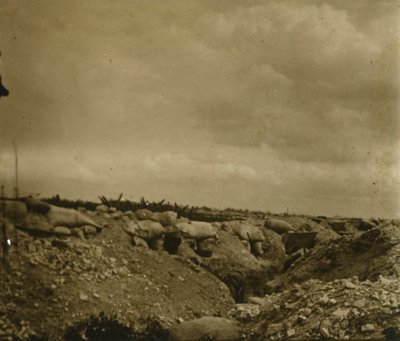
(343, 309)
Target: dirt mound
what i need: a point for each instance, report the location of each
(366, 255)
(57, 281)
(343, 284)
(344, 309)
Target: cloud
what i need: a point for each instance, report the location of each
(261, 105)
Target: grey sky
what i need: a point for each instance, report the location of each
(253, 104)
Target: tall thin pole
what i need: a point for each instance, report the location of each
(16, 170)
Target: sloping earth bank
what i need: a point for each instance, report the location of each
(345, 287)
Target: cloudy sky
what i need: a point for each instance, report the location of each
(269, 105)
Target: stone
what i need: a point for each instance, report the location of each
(349, 285)
(341, 313)
(83, 297)
(306, 311)
(332, 301)
(359, 303)
(275, 328)
(369, 327)
(245, 311)
(291, 332)
(325, 332)
(323, 300)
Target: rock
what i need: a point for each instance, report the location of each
(215, 328)
(83, 297)
(323, 300)
(275, 328)
(325, 332)
(306, 311)
(349, 285)
(112, 210)
(341, 313)
(359, 303)
(245, 311)
(291, 332)
(62, 231)
(367, 328)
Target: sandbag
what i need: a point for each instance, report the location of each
(102, 208)
(257, 248)
(206, 247)
(246, 244)
(278, 226)
(197, 230)
(205, 328)
(88, 229)
(137, 241)
(130, 227)
(14, 210)
(250, 233)
(166, 218)
(143, 214)
(37, 205)
(59, 216)
(62, 231)
(145, 229)
(37, 223)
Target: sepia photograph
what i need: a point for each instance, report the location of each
(191, 170)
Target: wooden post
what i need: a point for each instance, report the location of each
(16, 170)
